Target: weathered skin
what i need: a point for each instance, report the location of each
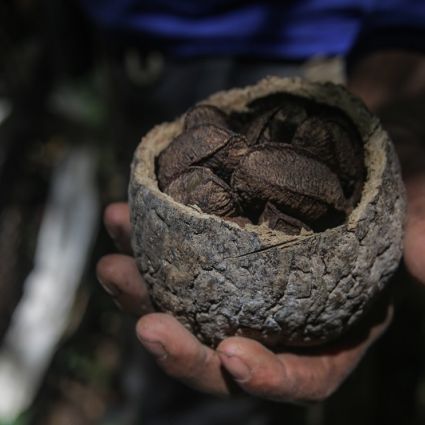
(220, 279)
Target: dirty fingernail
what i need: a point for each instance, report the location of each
(112, 231)
(236, 367)
(109, 288)
(155, 348)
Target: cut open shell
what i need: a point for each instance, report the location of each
(221, 279)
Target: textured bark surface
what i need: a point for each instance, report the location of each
(221, 279)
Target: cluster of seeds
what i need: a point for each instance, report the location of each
(285, 162)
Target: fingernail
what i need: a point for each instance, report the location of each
(236, 367)
(155, 348)
(112, 232)
(109, 288)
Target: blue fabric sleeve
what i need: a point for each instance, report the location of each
(392, 24)
(296, 29)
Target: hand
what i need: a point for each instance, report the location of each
(311, 375)
(414, 238)
(397, 96)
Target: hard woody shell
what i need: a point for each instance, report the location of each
(220, 280)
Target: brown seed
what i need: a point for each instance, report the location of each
(205, 114)
(200, 186)
(190, 148)
(285, 121)
(240, 120)
(225, 160)
(295, 183)
(277, 220)
(256, 129)
(318, 138)
(276, 125)
(333, 144)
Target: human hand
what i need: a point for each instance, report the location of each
(397, 96)
(305, 375)
(414, 236)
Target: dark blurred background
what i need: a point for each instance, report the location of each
(67, 354)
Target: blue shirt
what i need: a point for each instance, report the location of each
(288, 29)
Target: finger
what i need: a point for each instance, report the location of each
(262, 373)
(180, 354)
(292, 377)
(414, 238)
(120, 278)
(117, 222)
(285, 377)
(414, 251)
